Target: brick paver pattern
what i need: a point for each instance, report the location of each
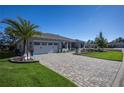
(83, 71)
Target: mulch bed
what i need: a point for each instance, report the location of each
(20, 59)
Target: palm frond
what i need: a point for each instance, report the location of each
(12, 23)
(21, 27)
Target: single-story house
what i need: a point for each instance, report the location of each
(116, 44)
(51, 43)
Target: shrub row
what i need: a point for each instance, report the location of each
(98, 50)
(6, 54)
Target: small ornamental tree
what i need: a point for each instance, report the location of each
(100, 41)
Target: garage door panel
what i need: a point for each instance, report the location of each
(45, 49)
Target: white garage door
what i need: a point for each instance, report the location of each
(45, 47)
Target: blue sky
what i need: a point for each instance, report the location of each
(77, 22)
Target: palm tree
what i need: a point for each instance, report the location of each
(23, 29)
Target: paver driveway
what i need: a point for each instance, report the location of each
(83, 71)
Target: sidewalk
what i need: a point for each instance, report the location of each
(119, 80)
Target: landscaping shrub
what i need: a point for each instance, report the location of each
(98, 50)
(91, 50)
(6, 54)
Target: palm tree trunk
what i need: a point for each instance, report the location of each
(27, 49)
(24, 44)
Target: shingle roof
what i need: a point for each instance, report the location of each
(54, 37)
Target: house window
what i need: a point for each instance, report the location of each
(44, 43)
(50, 43)
(55, 43)
(36, 43)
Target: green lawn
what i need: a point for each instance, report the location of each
(30, 75)
(111, 55)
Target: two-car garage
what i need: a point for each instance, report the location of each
(45, 47)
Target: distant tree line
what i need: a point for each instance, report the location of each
(99, 42)
(118, 40)
(117, 43)
(6, 40)
(102, 42)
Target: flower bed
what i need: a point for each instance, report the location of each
(22, 60)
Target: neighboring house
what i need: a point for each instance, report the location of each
(116, 44)
(51, 43)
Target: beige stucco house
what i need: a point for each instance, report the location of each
(51, 43)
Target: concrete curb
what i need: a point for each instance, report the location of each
(119, 79)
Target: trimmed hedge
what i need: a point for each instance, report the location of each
(99, 50)
(6, 54)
